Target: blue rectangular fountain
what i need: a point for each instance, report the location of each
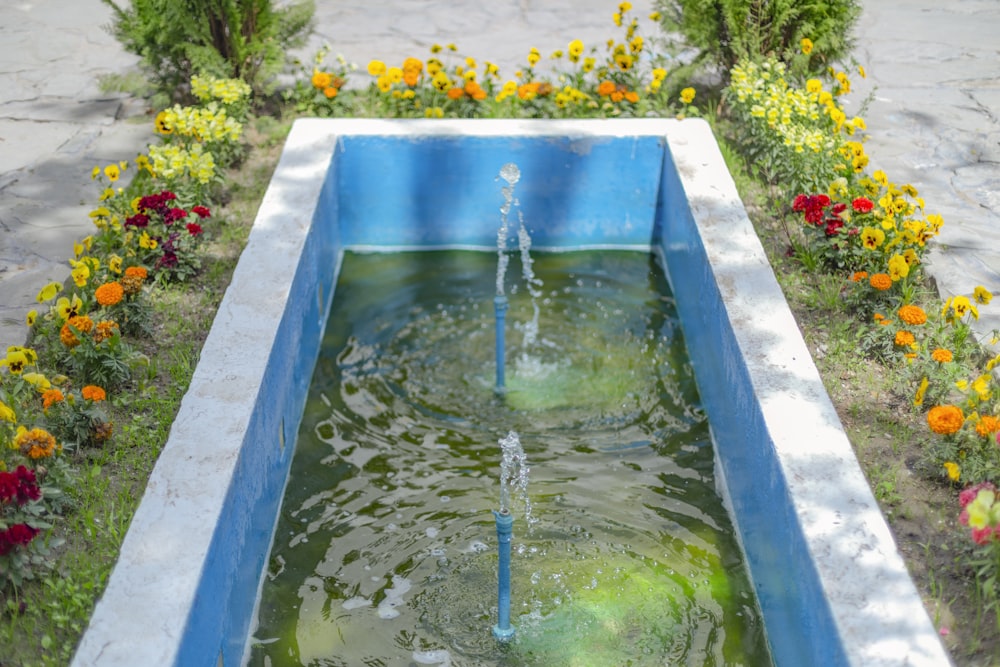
(831, 585)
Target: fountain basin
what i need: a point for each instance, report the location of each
(831, 585)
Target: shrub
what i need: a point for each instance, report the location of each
(727, 30)
(246, 39)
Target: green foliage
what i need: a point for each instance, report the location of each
(726, 31)
(246, 39)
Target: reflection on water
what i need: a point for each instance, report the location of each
(385, 551)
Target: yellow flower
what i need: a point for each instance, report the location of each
(575, 50)
(48, 292)
(953, 470)
(6, 413)
(961, 306)
(17, 359)
(918, 398)
(37, 380)
(655, 16)
(80, 274)
(394, 74)
(115, 264)
(533, 57)
(861, 71)
(687, 95)
(436, 48)
(872, 237)
(982, 295)
(588, 64)
(147, 242)
(377, 67)
(31, 317)
(898, 268)
(67, 308)
(807, 45)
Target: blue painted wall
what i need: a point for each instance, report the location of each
(798, 619)
(446, 190)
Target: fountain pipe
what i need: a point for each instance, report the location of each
(500, 310)
(503, 630)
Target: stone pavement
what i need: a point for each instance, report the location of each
(933, 68)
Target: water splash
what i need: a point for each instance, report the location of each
(514, 474)
(511, 174)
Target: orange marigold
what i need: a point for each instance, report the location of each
(139, 272)
(109, 294)
(912, 314)
(987, 426)
(945, 419)
(51, 396)
(131, 284)
(858, 276)
(455, 93)
(93, 393)
(104, 330)
(880, 281)
(82, 323)
(904, 338)
(36, 443)
(941, 355)
(606, 88)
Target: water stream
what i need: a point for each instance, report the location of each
(385, 551)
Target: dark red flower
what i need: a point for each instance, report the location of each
(862, 205)
(800, 203)
(173, 215)
(18, 534)
(19, 486)
(833, 226)
(194, 229)
(202, 211)
(137, 220)
(838, 208)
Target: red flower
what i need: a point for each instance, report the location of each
(137, 220)
(862, 205)
(173, 215)
(202, 211)
(813, 205)
(833, 226)
(969, 494)
(194, 229)
(19, 486)
(18, 534)
(839, 208)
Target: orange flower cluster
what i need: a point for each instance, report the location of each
(472, 89)
(109, 294)
(987, 426)
(941, 355)
(50, 397)
(412, 68)
(93, 393)
(132, 281)
(36, 443)
(104, 330)
(528, 91)
(81, 323)
(327, 83)
(617, 92)
(904, 338)
(914, 315)
(945, 419)
(880, 281)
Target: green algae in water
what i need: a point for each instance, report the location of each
(385, 550)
